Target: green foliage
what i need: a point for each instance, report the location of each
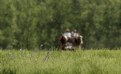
(29, 23)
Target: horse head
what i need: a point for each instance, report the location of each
(62, 39)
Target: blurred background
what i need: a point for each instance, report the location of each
(30, 24)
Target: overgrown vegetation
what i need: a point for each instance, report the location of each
(28, 23)
(101, 61)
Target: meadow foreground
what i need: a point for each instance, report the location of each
(102, 61)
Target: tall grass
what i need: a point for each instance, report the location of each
(60, 62)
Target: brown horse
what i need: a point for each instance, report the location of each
(78, 42)
(70, 43)
(64, 43)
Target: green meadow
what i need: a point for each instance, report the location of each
(101, 61)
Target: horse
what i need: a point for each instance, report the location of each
(70, 43)
(65, 43)
(78, 42)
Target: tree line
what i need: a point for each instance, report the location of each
(29, 23)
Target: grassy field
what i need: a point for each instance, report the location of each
(60, 62)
